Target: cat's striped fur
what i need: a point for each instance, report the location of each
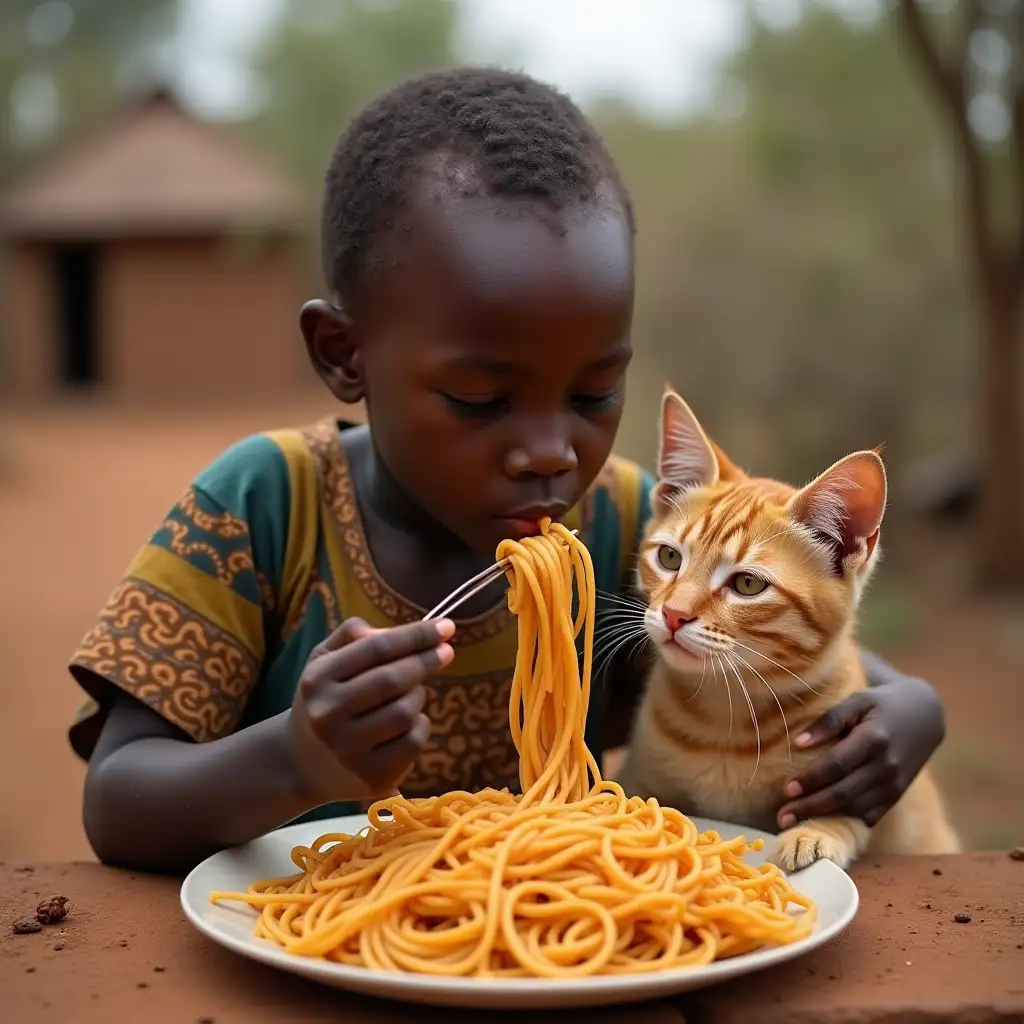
(742, 670)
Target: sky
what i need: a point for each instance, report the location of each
(658, 54)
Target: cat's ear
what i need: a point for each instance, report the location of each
(686, 458)
(728, 471)
(844, 508)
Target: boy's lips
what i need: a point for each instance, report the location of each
(525, 522)
(518, 527)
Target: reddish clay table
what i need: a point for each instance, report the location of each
(127, 954)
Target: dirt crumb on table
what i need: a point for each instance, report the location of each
(962, 917)
(52, 910)
(26, 926)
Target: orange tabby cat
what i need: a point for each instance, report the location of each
(753, 589)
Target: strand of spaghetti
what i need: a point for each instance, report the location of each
(571, 878)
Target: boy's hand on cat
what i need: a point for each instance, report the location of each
(357, 719)
(885, 737)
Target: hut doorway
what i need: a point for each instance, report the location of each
(76, 282)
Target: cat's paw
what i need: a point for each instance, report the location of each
(800, 847)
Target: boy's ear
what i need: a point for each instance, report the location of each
(330, 342)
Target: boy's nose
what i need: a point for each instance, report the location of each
(544, 457)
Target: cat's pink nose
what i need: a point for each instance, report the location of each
(675, 619)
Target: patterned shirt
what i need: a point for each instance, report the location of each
(262, 558)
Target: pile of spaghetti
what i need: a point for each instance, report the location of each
(571, 878)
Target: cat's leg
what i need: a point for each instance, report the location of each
(917, 824)
(840, 840)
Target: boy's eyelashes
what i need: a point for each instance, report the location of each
(483, 408)
(474, 408)
(592, 404)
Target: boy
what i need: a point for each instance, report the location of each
(263, 657)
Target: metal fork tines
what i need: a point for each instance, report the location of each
(461, 594)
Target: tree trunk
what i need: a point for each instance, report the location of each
(1001, 447)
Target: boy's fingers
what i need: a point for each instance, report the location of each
(839, 796)
(347, 703)
(390, 722)
(349, 630)
(379, 647)
(843, 759)
(390, 762)
(834, 722)
(873, 805)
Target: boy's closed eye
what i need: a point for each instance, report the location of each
(475, 408)
(486, 407)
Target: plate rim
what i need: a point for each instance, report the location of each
(410, 987)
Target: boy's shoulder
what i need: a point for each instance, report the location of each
(270, 468)
(623, 480)
(613, 513)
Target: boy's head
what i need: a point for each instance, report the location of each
(478, 243)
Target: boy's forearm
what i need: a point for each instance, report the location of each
(162, 804)
(930, 717)
(877, 669)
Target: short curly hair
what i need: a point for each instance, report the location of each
(520, 137)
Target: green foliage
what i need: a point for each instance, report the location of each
(798, 269)
(325, 58)
(887, 616)
(74, 52)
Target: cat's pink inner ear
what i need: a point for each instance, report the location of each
(846, 503)
(686, 457)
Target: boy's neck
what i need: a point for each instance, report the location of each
(382, 497)
(417, 556)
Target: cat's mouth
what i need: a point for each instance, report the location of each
(683, 649)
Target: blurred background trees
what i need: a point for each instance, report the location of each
(977, 78)
(831, 251)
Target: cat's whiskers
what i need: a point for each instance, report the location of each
(602, 664)
(782, 668)
(674, 502)
(753, 716)
(717, 660)
(622, 601)
(608, 642)
(606, 620)
(703, 672)
(782, 710)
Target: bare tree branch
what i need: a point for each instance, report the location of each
(1017, 113)
(948, 77)
(945, 78)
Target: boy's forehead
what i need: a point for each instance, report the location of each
(495, 249)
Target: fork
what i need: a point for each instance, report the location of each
(462, 593)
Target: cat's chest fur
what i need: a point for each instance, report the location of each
(685, 754)
(722, 786)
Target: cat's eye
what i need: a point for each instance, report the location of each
(669, 558)
(746, 584)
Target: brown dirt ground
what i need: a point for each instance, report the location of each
(81, 488)
(125, 952)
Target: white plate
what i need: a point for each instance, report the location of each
(231, 925)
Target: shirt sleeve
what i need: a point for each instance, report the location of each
(187, 627)
(617, 509)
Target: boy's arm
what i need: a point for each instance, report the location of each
(158, 801)
(171, 663)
